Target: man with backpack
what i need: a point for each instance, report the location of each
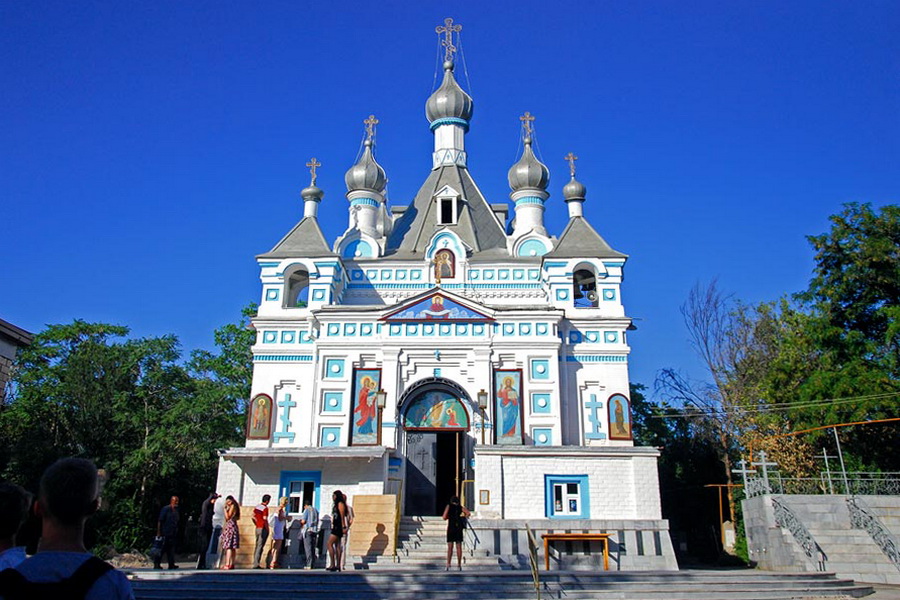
(63, 569)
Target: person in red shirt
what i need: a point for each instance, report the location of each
(261, 521)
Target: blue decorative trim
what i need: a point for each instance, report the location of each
(591, 336)
(272, 294)
(529, 200)
(286, 477)
(613, 264)
(518, 274)
(450, 121)
(282, 358)
(415, 275)
(583, 358)
(542, 436)
(534, 274)
(331, 436)
(593, 405)
(269, 337)
(287, 337)
(524, 328)
(268, 265)
(555, 264)
(540, 369)
(562, 294)
(609, 294)
(364, 202)
(584, 496)
(503, 274)
(365, 329)
(286, 404)
(318, 295)
(540, 403)
(332, 402)
(575, 337)
(334, 368)
(349, 328)
(611, 337)
(333, 329)
(542, 328)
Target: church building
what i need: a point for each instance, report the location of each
(451, 347)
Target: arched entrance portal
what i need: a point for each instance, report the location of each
(436, 420)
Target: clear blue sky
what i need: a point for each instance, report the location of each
(151, 149)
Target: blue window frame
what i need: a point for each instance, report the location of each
(566, 497)
(299, 486)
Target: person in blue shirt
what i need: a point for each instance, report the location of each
(14, 505)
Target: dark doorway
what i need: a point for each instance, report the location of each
(431, 471)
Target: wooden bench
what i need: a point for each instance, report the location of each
(576, 537)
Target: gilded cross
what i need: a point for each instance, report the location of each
(571, 158)
(312, 164)
(526, 119)
(448, 30)
(371, 122)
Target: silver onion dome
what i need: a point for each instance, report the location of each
(449, 100)
(574, 190)
(313, 192)
(366, 174)
(529, 172)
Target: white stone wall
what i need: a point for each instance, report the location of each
(621, 485)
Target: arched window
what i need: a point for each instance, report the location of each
(584, 292)
(297, 288)
(444, 264)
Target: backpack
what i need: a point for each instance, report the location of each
(14, 585)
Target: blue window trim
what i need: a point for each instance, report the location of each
(284, 484)
(582, 480)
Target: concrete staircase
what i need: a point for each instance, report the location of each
(849, 553)
(422, 545)
(501, 585)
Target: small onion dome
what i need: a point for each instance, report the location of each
(529, 172)
(366, 174)
(449, 100)
(574, 190)
(312, 193)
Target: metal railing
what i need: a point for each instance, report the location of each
(862, 518)
(398, 499)
(858, 484)
(784, 517)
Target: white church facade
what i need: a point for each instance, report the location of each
(447, 348)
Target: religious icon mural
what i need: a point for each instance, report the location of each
(444, 265)
(619, 417)
(364, 412)
(508, 415)
(437, 307)
(436, 410)
(259, 418)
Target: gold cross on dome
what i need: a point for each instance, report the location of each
(571, 158)
(312, 164)
(371, 122)
(526, 119)
(448, 30)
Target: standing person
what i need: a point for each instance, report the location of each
(454, 514)
(206, 528)
(338, 527)
(14, 505)
(277, 523)
(167, 527)
(261, 521)
(231, 539)
(309, 521)
(345, 541)
(69, 495)
(218, 522)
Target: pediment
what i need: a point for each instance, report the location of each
(436, 306)
(447, 192)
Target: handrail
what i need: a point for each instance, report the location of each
(532, 555)
(861, 518)
(397, 514)
(785, 517)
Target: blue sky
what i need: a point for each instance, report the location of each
(150, 149)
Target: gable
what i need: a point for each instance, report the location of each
(436, 307)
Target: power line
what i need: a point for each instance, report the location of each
(772, 408)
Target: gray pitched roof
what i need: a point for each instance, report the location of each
(304, 240)
(477, 225)
(580, 240)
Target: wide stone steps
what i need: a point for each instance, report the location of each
(502, 585)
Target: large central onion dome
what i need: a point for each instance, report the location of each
(449, 101)
(366, 174)
(529, 172)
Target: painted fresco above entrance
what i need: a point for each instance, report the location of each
(436, 410)
(437, 307)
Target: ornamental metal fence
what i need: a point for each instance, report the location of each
(853, 484)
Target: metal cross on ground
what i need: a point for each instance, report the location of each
(765, 467)
(571, 158)
(312, 164)
(371, 122)
(448, 30)
(743, 471)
